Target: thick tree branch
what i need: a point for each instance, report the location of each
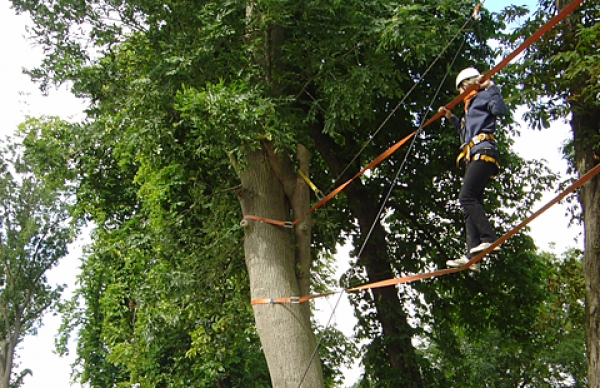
(282, 167)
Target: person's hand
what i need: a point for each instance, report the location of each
(484, 84)
(446, 112)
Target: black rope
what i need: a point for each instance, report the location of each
(382, 207)
(389, 116)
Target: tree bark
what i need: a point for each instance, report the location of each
(6, 358)
(8, 345)
(585, 125)
(277, 258)
(300, 201)
(284, 329)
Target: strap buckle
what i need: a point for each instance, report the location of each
(481, 137)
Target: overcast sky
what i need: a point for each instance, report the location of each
(19, 98)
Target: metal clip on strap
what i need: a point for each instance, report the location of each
(466, 151)
(486, 158)
(481, 137)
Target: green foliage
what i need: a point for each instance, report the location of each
(34, 234)
(231, 118)
(548, 351)
(559, 73)
(336, 351)
(179, 92)
(137, 292)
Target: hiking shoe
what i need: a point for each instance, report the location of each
(482, 247)
(461, 262)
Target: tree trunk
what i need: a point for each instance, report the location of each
(278, 259)
(390, 310)
(300, 201)
(585, 125)
(284, 329)
(7, 355)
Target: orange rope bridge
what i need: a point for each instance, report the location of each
(426, 275)
(290, 224)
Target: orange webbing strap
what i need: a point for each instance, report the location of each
(407, 279)
(369, 166)
(426, 275)
(285, 224)
(382, 283)
(549, 24)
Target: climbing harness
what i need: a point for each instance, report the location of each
(466, 149)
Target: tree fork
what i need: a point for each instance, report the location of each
(285, 330)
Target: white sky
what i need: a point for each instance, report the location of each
(19, 98)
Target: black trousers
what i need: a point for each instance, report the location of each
(477, 225)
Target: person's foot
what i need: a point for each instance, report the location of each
(461, 262)
(482, 247)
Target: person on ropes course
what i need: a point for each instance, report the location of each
(476, 130)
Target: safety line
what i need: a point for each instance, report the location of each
(569, 8)
(413, 87)
(426, 275)
(389, 193)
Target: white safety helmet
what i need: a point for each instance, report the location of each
(469, 72)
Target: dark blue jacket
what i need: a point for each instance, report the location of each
(480, 117)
